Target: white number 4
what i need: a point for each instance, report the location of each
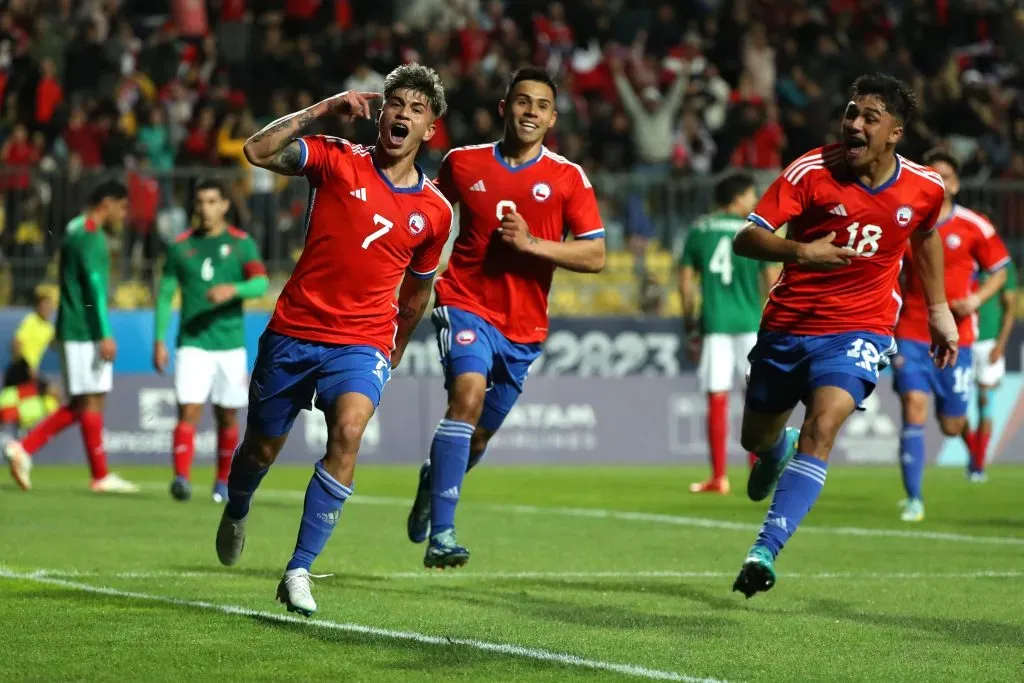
(386, 226)
(869, 234)
(867, 353)
(721, 260)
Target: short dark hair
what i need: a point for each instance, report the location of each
(108, 189)
(531, 73)
(421, 79)
(211, 184)
(732, 186)
(937, 156)
(897, 96)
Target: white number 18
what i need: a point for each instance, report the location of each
(385, 224)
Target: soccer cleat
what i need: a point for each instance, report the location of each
(181, 489)
(757, 574)
(764, 475)
(720, 486)
(973, 477)
(113, 483)
(913, 511)
(220, 492)
(20, 463)
(444, 552)
(230, 539)
(294, 591)
(418, 524)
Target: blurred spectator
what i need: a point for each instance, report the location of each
(49, 94)
(18, 157)
(31, 340)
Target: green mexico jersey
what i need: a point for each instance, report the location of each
(730, 284)
(84, 277)
(199, 262)
(990, 315)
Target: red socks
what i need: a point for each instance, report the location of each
(227, 441)
(979, 449)
(91, 424)
(51, 426)
(718, 432)
(184, 449)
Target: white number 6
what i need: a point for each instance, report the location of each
(502, 205)
(385, 224)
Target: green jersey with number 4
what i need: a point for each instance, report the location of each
(990, 315)
(730, 284)
(199, 262)
(84, 274)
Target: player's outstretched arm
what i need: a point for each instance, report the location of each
(274, 148)
(413, 297)
(928, 262)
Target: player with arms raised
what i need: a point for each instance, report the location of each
(828, 324)
(730, 289)
(374, 223)
(518, 203)
(87, 346)
(216, 267)
(969, 244)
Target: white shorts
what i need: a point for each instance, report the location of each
(722, 357)
(987, 373)
(221, 377)
(84, 371)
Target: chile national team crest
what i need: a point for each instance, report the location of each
(904, 215)
(417, 222)
(541, 192)
(465, 337)
(953, 241)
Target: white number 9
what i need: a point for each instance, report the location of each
(502, 205)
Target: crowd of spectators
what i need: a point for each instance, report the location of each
(656, 88)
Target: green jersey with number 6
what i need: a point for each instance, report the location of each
(730, 284)
(990, 315)
(199, 262)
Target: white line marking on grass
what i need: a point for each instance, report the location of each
(498, 648)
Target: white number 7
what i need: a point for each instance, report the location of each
(385, 224)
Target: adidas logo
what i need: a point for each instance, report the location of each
(478, 186)
(359, 194)
(451, 494)
(777, 521)
(838, 210)
(329, 517)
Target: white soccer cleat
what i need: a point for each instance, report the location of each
(20, 463)
(230, 539)
(113, 483)
(295, 591)
(913, 511)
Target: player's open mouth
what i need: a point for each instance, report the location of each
(528, 125)
(854, 147)
(397, 134)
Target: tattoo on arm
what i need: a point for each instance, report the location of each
(532, 239)
(407, 312)
(287, 160)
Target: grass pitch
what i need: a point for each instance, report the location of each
(577, 574)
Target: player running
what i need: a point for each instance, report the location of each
(731, 291)
(216, 267)
(519, 202)
(86, 343)
(969, 244)
(828, 323)
(336, 334)
(995, 322)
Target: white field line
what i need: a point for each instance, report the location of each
(410, 636)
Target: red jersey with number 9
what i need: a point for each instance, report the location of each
(816, 195)
(363, 235)
(489, 278)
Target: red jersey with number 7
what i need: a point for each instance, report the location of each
(363, 235)
(489, 278)
(816, 195)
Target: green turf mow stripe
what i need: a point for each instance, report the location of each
(497, 648)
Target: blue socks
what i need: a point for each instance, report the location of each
(449, 457)
(320, 513)
(795, 493)
(912, 459)
(243, 480)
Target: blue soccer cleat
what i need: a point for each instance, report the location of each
(444, 552)
(418, 524)
(181, 489)
(757, 574)
(220, 493)
(765, 473)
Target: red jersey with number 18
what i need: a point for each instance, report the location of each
(362, 235)
(816, 195)
(489, 278)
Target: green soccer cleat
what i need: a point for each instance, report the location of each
(418, 524)
(764, 475)
(444, 552)
(757, 574)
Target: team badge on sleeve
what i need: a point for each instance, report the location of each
(904, 215)
(466, 337)
(417, 222)
(541, 192)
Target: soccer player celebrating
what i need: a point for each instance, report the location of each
(86, 343)
(730, 288)
(995, 322)
(969, 244)
(337, 332)
(216, 266)
(518, 203)
(828, 323)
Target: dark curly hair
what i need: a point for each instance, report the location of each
(897, 96)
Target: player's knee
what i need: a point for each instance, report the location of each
(466, 406)
(818, 433)
(348, 433)
(226, 418)
(915, 408)
(262, 451)
(952, 426)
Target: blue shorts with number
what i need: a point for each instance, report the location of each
(468, 343)
(915, 370)
(786, 368)
(290, 372)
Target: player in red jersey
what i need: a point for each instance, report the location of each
(969, 244)
(518, 204)
(828, 323)
(374, 222)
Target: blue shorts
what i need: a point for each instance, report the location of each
(785, 368)
(914, 370)
(290, 372)
(468, 343)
